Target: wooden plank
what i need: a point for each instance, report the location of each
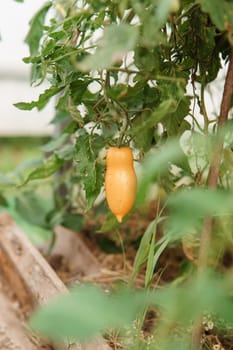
(29, 274)
(70, 246)
(25, 268)
(13, 336)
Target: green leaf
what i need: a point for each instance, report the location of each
(54, 143)
(173, 122)
(50, 166)
(25, 166)
(6, 181)
(77, 90)
(89, 311)
(36, 29)
(66, 104)
(186, 303)
(149, 251)
(155, 117)
(117, 41)
(162, 12)
(144, 247)
(73, 221)
(86, 153)
(86, 312)
(189, 207)
(3, 201)
(60, 116)
(142, 139)
(159, 248)
(155, 250)
(110, 223)
(93, 189)
(37, 234)
(156, 164)
(221, 12)
(33, 208)
(42, 100)
(66, 152)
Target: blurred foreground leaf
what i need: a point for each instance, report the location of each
(88, 311)
(36, 28)
(156, 164)
(50, 166)
(189, 207)
(85, 313)
(117, 41)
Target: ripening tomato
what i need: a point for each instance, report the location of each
(120, 181)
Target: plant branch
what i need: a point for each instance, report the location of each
(212, 183)
(214, 170)
(225, 107)
(203, 108)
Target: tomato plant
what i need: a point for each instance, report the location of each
(140, 75)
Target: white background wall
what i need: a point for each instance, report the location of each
(14, 73)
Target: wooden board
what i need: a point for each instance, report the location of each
(13, 334)
(29, 275)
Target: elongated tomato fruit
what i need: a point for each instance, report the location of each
(120, 181)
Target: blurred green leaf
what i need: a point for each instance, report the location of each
(183, 304)
(50, 166)
(32, 208)
(174, 121)
(117, 41)
(162, 11)
(155, 164)
(189, 207)
(73, 221)
(54, 143)
(25, 166)
(59, 117)
(110, 223)
(38, 235)
(41, 102)
(66, 152)
(182, 343)
(36, 29)
(35, 233)
(153, 119)
(3, 201)
(5, 181)
(221, 13)
(80, 315)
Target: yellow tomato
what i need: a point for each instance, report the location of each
(120, 181)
